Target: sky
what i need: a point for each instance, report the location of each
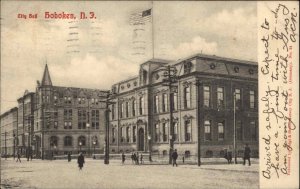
(98, 52)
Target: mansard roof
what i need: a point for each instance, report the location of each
(214, 57)
(46, 81)
(76, 92)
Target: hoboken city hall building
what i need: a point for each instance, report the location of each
(202, 99)
(200, 104)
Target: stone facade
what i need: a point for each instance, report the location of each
(68, 119)
(202, 96)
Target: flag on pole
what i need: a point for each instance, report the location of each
(141, 18)
(146, 13)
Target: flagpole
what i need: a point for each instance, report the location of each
(152, 17)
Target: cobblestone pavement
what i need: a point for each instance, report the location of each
(61, 174)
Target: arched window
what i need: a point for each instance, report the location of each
(175, 131)
(53, 141)
(81, 140)
(113, 135)
(187, 97)
(128, 134)
(68, 141)
(188, 130)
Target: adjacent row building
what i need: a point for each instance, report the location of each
(55, 121)
(200, 104)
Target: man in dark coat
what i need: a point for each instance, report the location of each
(18, 157)
(69, 157)
(174, 157)
(123, 158)
(80, 161)
(247, 152)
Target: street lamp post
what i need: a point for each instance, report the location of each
(28, 146)
(80, 143)
(88, 127)
(234, 129)
(94, 144)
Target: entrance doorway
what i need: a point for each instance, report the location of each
(141, 141)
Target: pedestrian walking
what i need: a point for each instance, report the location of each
(69, 157)
(247, 152)
(18, 157)
(137, 158)
(123, 158)
(132, 158)
(141, 158)
(80, 161)
(174, 157)
(228, 156)
(150, 158)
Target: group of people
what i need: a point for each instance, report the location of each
(137, 158)
(247, 151)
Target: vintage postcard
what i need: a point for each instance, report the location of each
(149, 94)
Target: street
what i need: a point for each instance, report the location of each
(95, 174)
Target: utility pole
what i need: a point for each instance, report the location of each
(170, 73)
(234, 130)
(198, 83)
(42, 136)
(106, 152)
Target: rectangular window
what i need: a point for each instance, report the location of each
(95, 119)
(128, 134)
(156, 132)
(67, 125)
(156, 104)
(175, 101)
(141, 105)
(220, 131)
(188, 130)
(55, 99)
(253, 131)
(187, 97)
(127, 108)
(207, 130)
(220, 93)
(122, 110)
(238, 102)
(82, 119)
(165, 132)
(239, 130)
(122, 134)
(175, 131)
(252, 99)
(206, 96)
(134, 133)
(69, 100)
(133, 107)
(113, 135)
(165, 102)
(112, 111)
